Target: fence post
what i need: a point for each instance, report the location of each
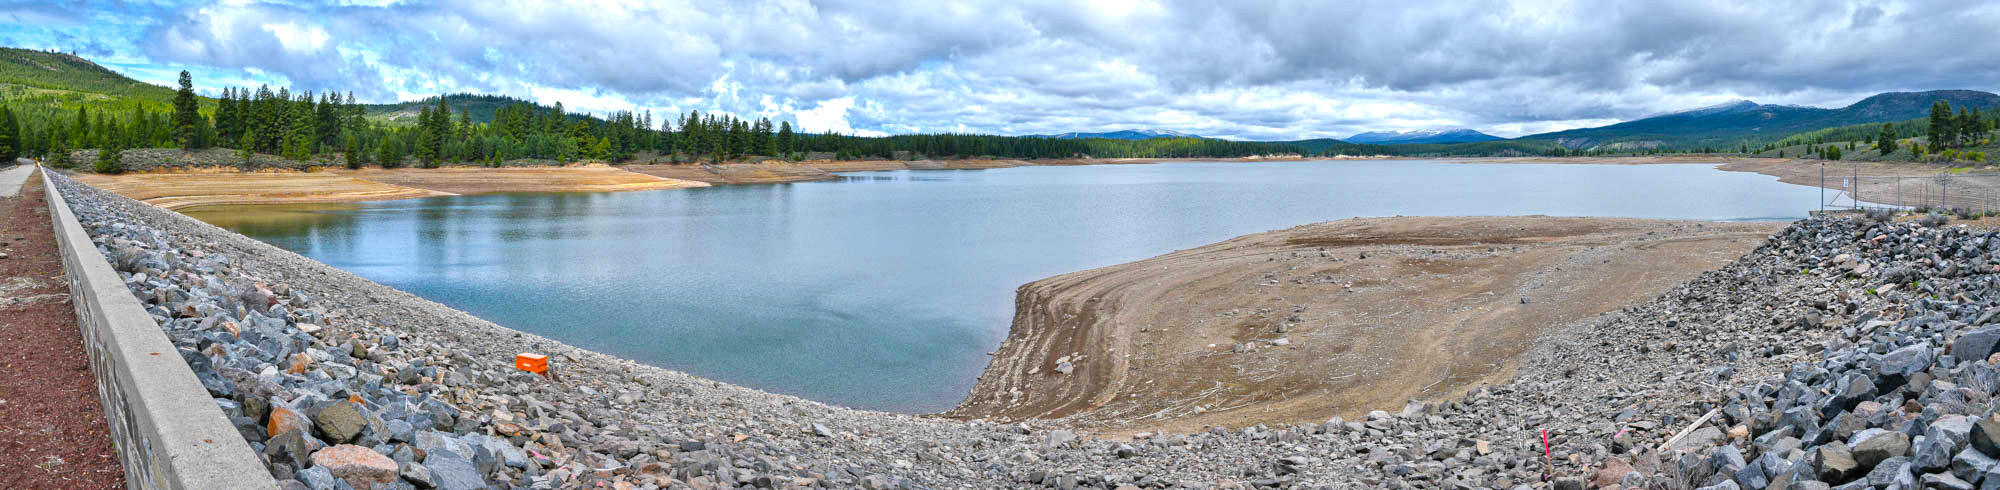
(1822, 188)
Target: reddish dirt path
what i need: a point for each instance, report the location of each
(52, 429)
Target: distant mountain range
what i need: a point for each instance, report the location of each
(43, 78)
(1744, 122)
(1410, 136)
(1129, 134)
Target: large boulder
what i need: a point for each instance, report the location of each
(1976, 345)
(1896, 367)
(1835, 463)
(338, 421)
(284, 419)
(360, 467)
(1986, 436)
(450, 471)
(1880, 447)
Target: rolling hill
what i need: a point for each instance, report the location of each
(479, 106)
(1419, 136)
(60, 81)
(1745, 122)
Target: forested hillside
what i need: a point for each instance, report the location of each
(1746, 125)
(56, 103)
(52, 104)
(1947, 135)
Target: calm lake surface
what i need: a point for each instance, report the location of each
(884, 290)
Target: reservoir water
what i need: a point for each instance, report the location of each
(884, 290)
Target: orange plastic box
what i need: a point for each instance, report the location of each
(530, 362)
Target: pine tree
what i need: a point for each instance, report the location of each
(185, 112)
(1887, 140)
(786, 140)
(424, 152)
(389, 153)
(1966, 128)
(79, 130)
(59, 153)
(111, 159)
(353, 153)
(1940, 124)
(10, 136)
(245, 148)
(440, 132)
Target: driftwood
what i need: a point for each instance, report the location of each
(1689, 429)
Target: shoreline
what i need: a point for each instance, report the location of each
(182, 188)
(190, 187)
(1327, 319)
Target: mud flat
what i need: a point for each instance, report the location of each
(1329, 319)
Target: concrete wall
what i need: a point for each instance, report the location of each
(169, 432)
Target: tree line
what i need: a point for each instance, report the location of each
(327, 126)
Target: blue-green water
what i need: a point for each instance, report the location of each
(884, 290)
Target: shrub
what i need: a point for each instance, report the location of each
(1880, 215)
(1933, 220)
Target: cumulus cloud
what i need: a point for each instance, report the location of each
(1249, 69)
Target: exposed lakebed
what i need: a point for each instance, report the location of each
(884, 290)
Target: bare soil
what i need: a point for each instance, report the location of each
(1328, 319)
(52, 428)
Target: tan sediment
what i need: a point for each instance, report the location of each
(186, 189)
(474, 180)
(208, 187)
(1434, 309)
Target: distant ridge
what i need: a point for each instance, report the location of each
(1415, 136)
(1743, 122)
(1128, 134)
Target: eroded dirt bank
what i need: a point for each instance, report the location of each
(1334, 318)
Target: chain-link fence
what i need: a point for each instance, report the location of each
(1844, 187)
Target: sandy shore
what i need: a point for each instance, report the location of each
(1335, 318)
(184, 189)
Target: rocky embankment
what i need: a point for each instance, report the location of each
(1840, 351)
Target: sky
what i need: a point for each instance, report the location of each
(1241, 69)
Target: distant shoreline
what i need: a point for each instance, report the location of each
(189, 187)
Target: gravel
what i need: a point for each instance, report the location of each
(1826, 356)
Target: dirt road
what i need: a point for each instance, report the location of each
(1327, 319)
(52, 428)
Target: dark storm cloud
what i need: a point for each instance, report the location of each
(1264, 70)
